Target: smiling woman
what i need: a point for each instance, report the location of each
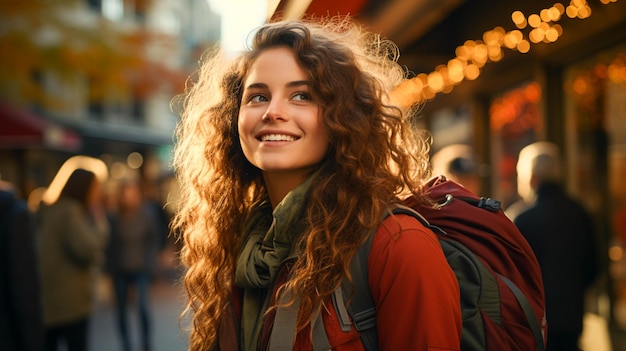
(288, 157)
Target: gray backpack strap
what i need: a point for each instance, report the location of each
(528, 311)
(361, 308)
(319, 337)
(353, 302)
(361, 305)
(284, 330)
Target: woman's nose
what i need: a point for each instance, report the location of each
(275, 111)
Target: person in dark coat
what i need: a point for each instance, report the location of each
(561, 233)
(21, 317)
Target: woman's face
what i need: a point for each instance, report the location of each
(280, 125)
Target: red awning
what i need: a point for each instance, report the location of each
(23, 129)
(334, 7)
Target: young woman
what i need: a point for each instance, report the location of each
(73, 234)
(288, 157)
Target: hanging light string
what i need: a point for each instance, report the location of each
(473, 55)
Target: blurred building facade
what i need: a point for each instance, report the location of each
(499, 75)
(95, 77)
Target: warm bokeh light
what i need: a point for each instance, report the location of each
(435, 81)
(134, 160)
(534, 20)
(472, 72)
(616, 253)
(523, 46)
(474, 54)
(519, 19)
(118, 170)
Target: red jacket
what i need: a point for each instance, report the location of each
(415, 291)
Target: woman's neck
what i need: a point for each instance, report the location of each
(279, 184)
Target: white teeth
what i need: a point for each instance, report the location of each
(277, 137)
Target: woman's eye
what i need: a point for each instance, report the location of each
(301, 96)
(257, 98)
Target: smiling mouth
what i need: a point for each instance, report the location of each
(277, 137)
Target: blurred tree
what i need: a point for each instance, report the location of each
(65, 39)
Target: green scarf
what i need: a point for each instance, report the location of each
(266, 246)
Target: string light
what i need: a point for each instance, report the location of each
(473, 55)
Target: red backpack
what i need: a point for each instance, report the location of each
(502, 297)
(501, 287)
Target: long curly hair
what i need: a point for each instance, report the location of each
(374, 157)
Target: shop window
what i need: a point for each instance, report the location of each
(595, 107)
(515, 121)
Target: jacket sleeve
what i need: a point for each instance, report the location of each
(416, 292)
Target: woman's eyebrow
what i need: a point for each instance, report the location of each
(296, 83)
(256, 86)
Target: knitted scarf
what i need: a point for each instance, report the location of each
(266, 246)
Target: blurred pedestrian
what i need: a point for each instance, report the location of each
(153, 201)
(525, 194)
(21, 321)
(561, 233)
(458, 162)
(74, 233)
(136, 239)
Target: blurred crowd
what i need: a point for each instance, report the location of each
(83, 229)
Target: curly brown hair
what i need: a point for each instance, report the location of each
(374, 156)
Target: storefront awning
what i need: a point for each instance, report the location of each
(23, 129)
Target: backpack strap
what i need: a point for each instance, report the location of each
(361, 305)
(528, 311)
(319, 337)
(284, 329)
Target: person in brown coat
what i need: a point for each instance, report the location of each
(74, 233)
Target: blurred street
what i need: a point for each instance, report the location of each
(167, 303)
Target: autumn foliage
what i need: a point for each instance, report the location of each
(41, 36)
